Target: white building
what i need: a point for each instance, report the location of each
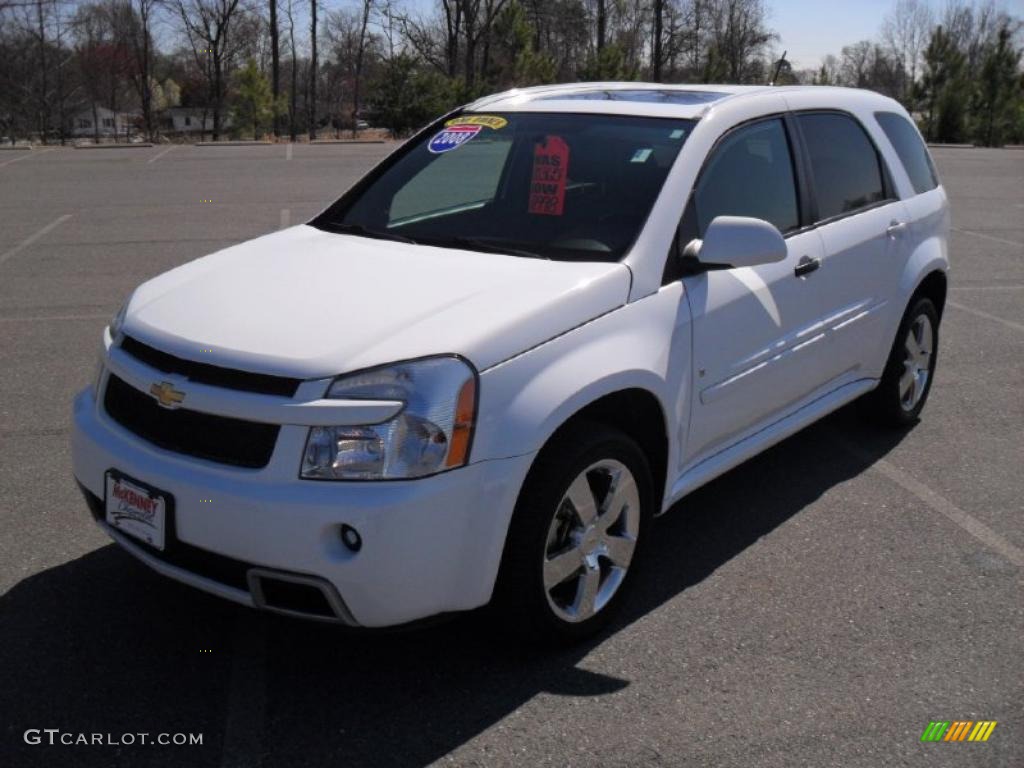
(192, 120)
(103, 122)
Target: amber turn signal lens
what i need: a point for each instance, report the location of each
(462, 429)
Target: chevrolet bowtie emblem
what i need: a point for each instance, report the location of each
(166, 394)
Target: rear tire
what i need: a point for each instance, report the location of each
(910, 369)
(577, 534)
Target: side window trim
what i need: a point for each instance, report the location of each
(802, 168)
(795, 164)
(888, 188)
(674, 268)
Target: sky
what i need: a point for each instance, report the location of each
(811, 29)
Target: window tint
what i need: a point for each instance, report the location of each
(911, 150)
(555, 185)
(847, 173)
(750, 174)
(477, 166)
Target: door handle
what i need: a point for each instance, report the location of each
(806, 266)
(895, 228)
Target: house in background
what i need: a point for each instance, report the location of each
(100, 121)
(188, 120)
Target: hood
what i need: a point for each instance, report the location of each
(311, 304)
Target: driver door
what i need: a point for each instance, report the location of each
(758, 343)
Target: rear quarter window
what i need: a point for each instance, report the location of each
(911, 150)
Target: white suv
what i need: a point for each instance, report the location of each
(481, 373)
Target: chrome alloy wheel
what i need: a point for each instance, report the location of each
(916, 362)
(591, 540)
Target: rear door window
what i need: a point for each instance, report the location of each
(845, 166)
(911, 150)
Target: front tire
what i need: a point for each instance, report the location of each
(577, 535)
(910, 369)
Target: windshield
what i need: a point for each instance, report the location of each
(557, 186)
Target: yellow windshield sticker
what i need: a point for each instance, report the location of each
(488, 121)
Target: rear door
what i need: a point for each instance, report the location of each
(757, 342)
(864, 230)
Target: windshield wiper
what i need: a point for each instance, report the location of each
(361, 231)
(478, 244)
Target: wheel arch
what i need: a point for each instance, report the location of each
(934, 285)
(635, 411)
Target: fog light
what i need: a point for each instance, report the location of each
(350, 538)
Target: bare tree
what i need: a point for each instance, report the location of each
(133, 25)
(358, 74)
(656, 53)
(477, 22)
(275, 65)
(292, 128)
(855, 64)
(905, 32)
(436, 40)
(208, 26)
(314, 71)
(97, 57)
(740, 36)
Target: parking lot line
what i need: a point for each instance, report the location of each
(986, 315)
(32, 153)
(286, 218)
(940, 504)
(159, 155)
(288, 151)
(988, 237)
(32, 238)
(15, 159)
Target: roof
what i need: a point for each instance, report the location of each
(651, 99)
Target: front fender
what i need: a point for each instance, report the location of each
(644, 345)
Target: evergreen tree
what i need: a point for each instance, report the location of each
(254, 100)
(999, 89)
(946, 93)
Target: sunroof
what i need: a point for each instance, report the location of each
(648, 95)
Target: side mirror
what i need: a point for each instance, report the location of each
(737, 241)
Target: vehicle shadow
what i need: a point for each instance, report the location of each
(102, 645)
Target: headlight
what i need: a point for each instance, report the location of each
(117, 321)
(114, 328)
(430, 434)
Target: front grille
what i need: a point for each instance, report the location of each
(214, 375)
(216, 438)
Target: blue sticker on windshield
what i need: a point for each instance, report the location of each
(452, 137)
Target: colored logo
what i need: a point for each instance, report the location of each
(488, 121)
(166, 394)
(452, 137)
(958, 730)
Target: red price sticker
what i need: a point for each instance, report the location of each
(550, 168)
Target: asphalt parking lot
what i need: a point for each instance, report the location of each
(817, 606)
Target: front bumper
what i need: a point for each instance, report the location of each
(429, 546)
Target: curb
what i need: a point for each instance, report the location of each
(349, 141)
(16, 147)
(143, 145)
(234, 144)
